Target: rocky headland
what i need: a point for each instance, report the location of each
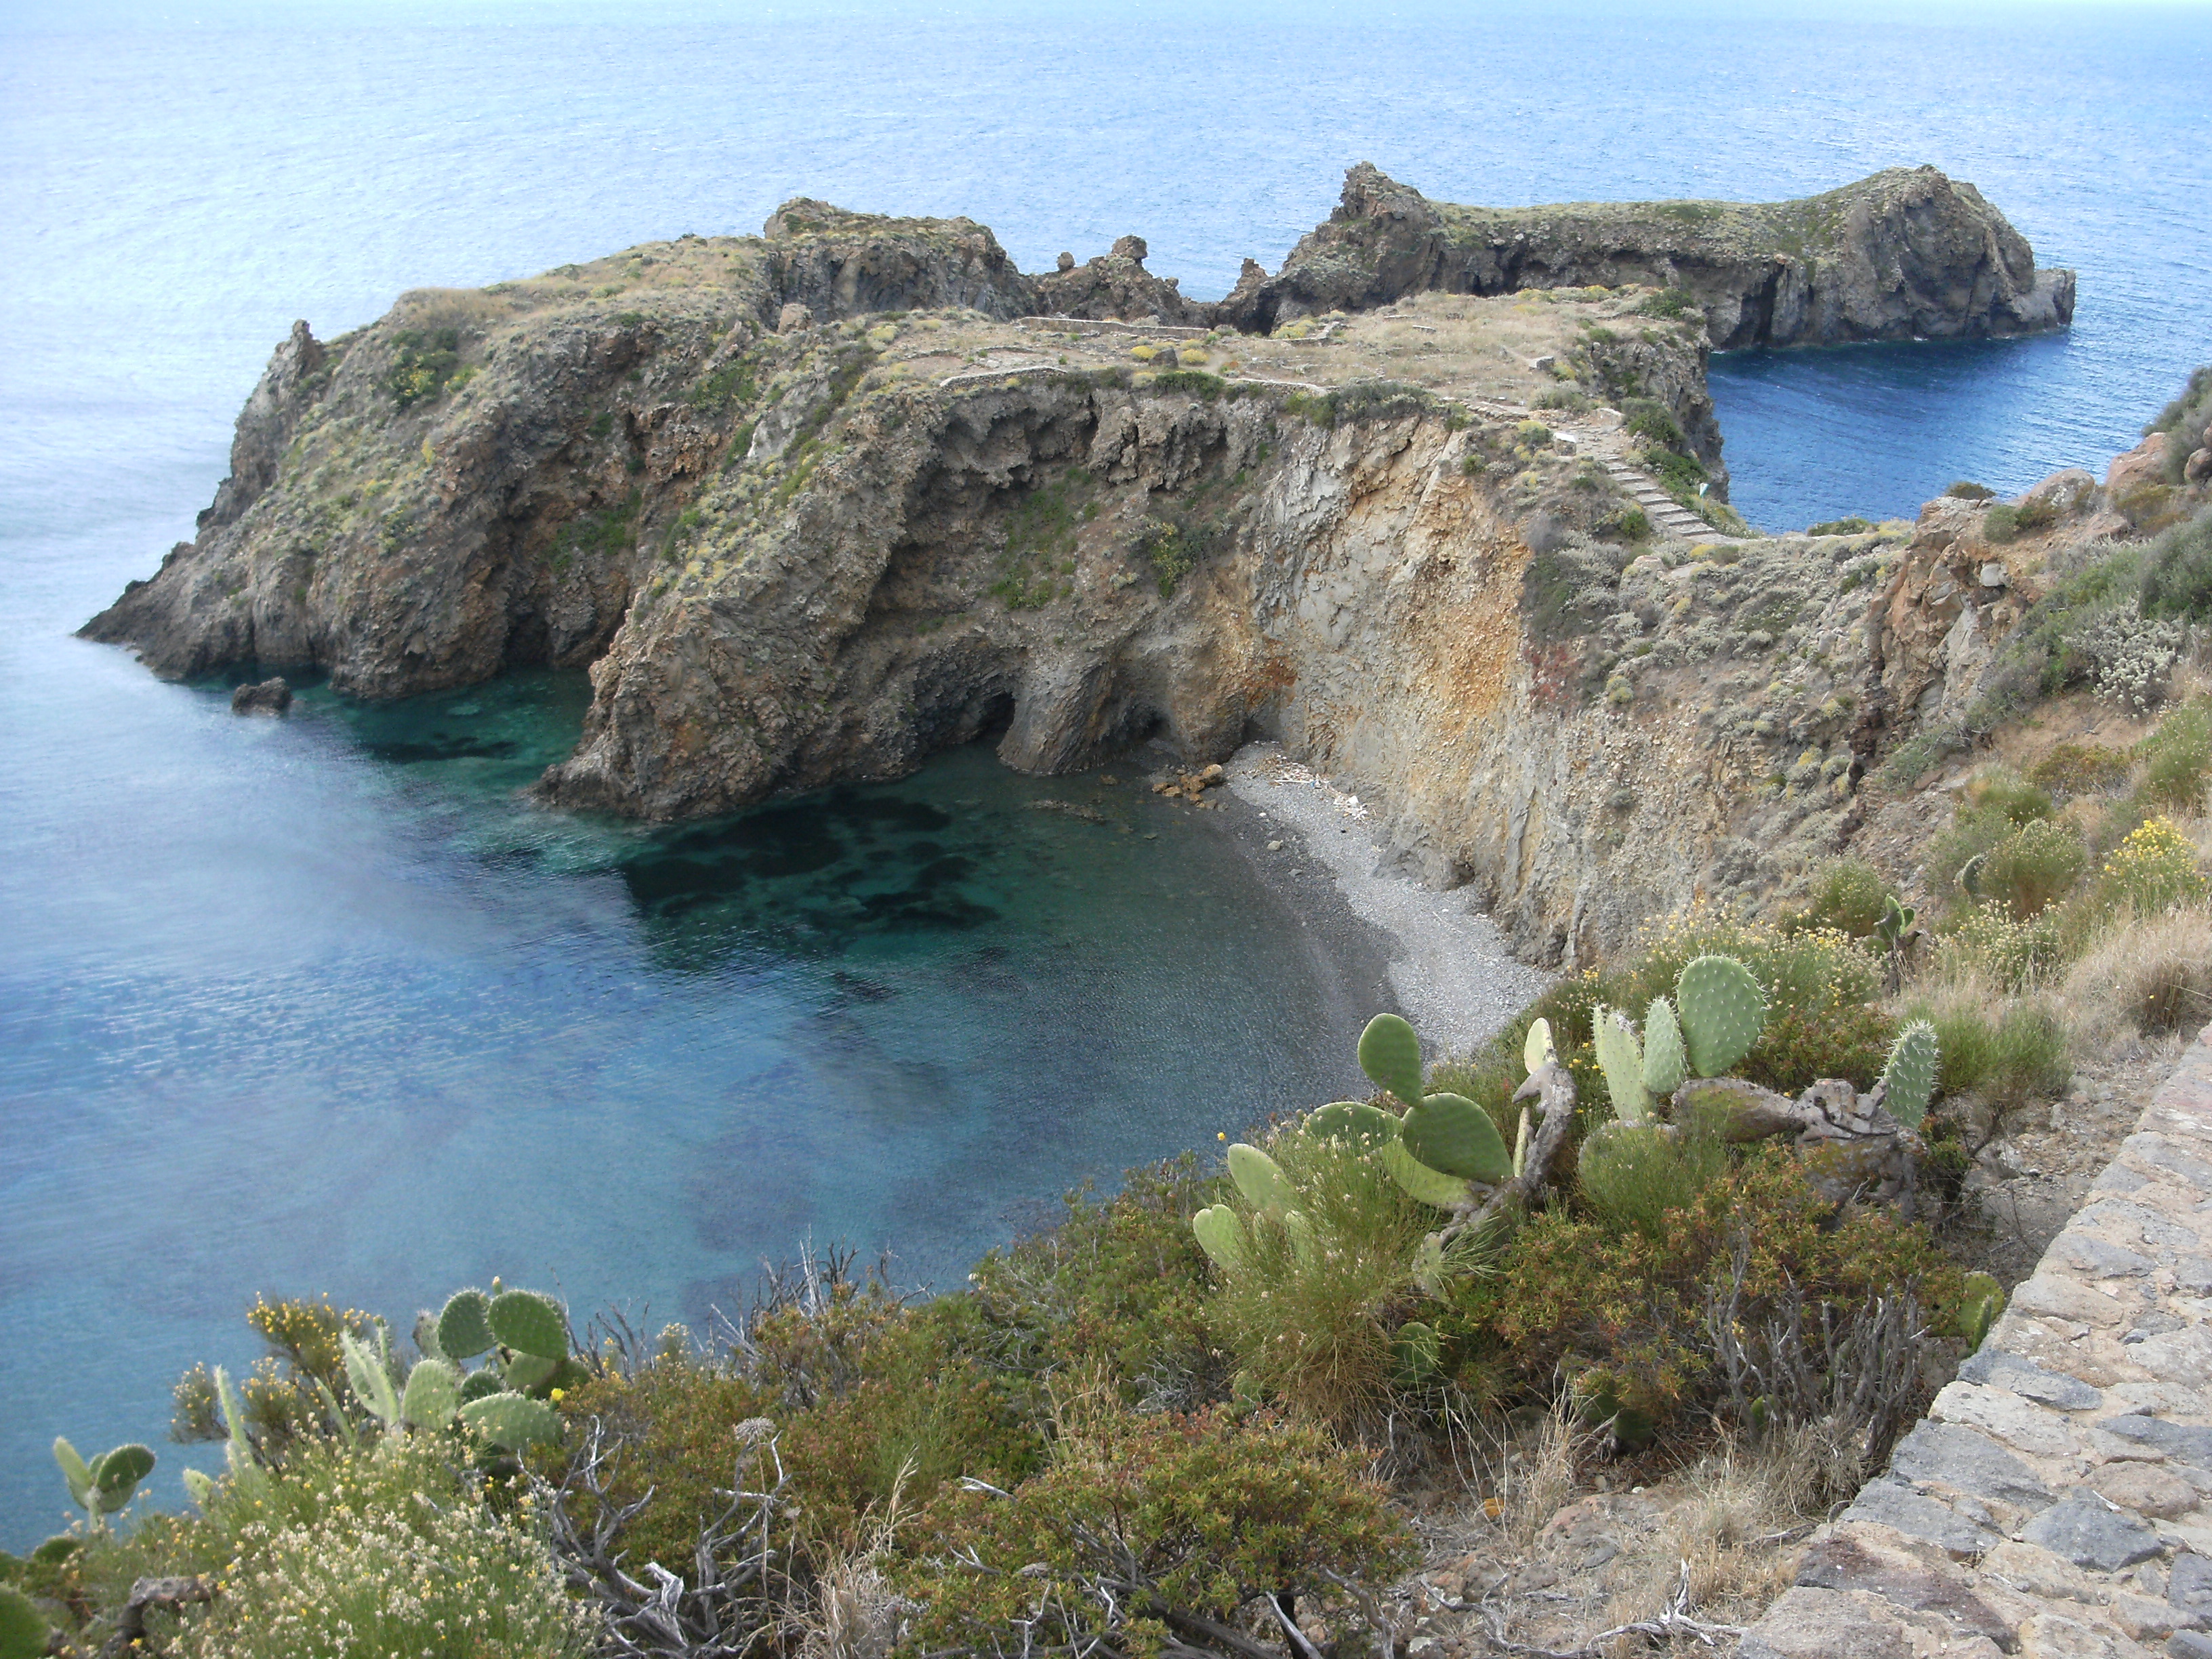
(816, 504)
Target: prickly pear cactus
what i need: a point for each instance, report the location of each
(1664, 1065)
(1418, 1181)
(465, 1327)
(1390, 1054)
(529, 1323)
(512, 1421)
(1984, 1300)
(1722, 1010)
(1620, 1057)
(432, 1394)
(372, 1383)
(24, 1633)
(1450, 1133)
(1908, 1081)
(1537, 1050)
(1416, 1352)
(1221, 1236)
(1352, 1121)
(1260, 1178)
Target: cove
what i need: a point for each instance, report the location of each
(437, 1034)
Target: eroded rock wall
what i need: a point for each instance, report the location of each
(1906, 254)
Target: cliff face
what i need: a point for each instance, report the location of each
(1906, 254)
(815, 505)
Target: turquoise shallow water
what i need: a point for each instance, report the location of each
(318, 1005)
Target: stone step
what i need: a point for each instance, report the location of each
(1664, 512)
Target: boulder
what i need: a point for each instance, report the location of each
(271, 697)
(793, 318)
(2142, 465)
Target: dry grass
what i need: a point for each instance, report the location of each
(1727, 1553)
(856, 1613)
(2150, 975)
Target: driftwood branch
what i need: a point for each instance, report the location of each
(153, 1596)
(1553, 1087)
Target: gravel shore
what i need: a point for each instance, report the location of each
(1446, 965)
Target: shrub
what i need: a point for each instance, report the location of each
(1626, 1312)
(387, 1553)
(2021, 802)
(1988, 942)
(1535, 434)
(2019, 1055)
(2127, 654)
(2178, 755)
(2183, 420)
(1848, 526)
(1655, 423)
(2155, 870)
(1966, 490)
(1678, 474)
(2081, 768)
(1952, 858)
(1154, 1533)
(2000, 523)
(1626, 524)
(2177, 580)
(1121, 1282)
(1849, 895)
(1634, 1178)
(1312, 1319)
(424, 364)
(2032, 866)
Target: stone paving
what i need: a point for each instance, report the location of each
(2054, 1502)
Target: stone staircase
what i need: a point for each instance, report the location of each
(1668, 516)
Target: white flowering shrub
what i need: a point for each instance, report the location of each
(385, 1553)
(2129, 654)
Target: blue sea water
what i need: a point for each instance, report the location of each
(318, 1005)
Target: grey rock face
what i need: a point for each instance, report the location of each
(1893, 1504)
(2091, 1533)
(1944, 1453)
(2029, 1380)
(1906, 254)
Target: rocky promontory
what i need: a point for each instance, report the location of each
(815, 505)
(1906, 254)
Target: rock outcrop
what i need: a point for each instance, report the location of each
(797, 540)
(1906, 254)
(1116, 285)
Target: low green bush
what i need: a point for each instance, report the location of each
(1966, 490)
(1625, 1313)
(1191, 1520)
(2153, 870)
(2081, 768)
(2020, 1055)
(1986, 940)
(2034, 866)
(1848, 894)
(1852, 525)
(2178, 759)
(1312, 1318)
(1634, 1177)
(2177, 579)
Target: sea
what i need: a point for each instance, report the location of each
(319, 1006)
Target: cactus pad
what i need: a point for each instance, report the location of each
(1982, 1300)
(1353, 1121)
(433, 1395)
(1908, 1081)
(372, 1384)
(464, 1328)
(1452, 1133)
(512, 1421)
(1417, 1180)
(1416, 1351)
(1620, 1057)
(24, 1633)
(476, 1384)
(1537, 1050)
(1259, 1177)
(1664, 1067)
(1301, 1233)
(1221, 1236)
(1721, 1009)
(530, 1323)
(1390, 1054)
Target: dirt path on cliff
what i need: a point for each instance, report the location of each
(1448, 969)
